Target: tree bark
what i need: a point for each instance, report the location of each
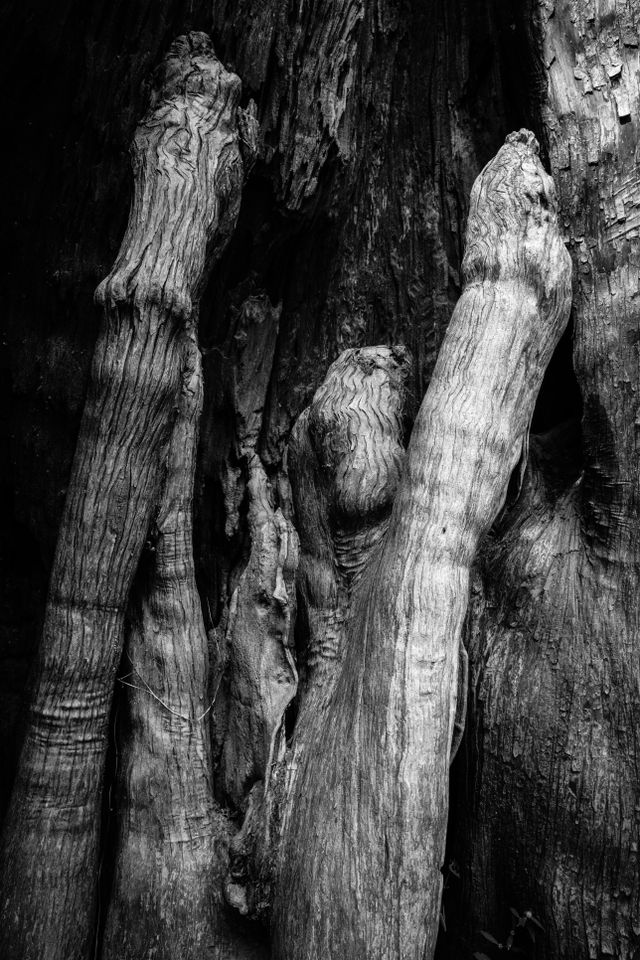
(374, 121)
(549, 806)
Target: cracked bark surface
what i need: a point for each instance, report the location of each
(371, 795)
(553, 748)
(187, 173)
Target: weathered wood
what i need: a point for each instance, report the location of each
(171, 848)
(344, 459)
(187, 174)
(381, 207)
(165, 852)
(554, 638)
(256, 676)
(261, 676)
(370, 799)
(353, 219)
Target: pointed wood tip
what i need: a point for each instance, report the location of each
(512, 229)
(191, 69)
(526, 138)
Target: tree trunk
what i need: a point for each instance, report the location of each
(236, 714)
(552, 793)
(366, 833)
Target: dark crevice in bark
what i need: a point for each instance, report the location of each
(549, 820)
(109, 823)
(522, 71)
(560, 398)
(24, 577)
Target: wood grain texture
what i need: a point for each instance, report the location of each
(171, 850)
(344, 458)
(552, 763)
(358, 270)
(165, 853)
(354, 240)
(346, 455)
(187, 174)
(256, 676)
(371, 798)
(261, 676)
